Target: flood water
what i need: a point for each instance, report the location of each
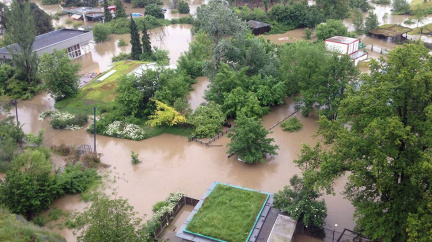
(171, 163)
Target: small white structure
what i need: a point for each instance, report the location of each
(346, 46)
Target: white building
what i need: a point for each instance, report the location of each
(346, 46)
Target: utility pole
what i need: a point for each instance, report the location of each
(15, 103)
(94, 128)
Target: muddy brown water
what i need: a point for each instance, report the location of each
(170, 163)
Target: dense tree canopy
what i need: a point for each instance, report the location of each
(331, 28)
(301, 203)
(59, 74)
(382, 138)
(249, 140)
(21, 30)
(207, 119)
(334, 9)
(218, 20)
(109, 220)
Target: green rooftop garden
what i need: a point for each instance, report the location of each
(228, 213)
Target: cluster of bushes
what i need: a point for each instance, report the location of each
(11, 84)
(183, 7)
(144, 3)
(291, 125)
(64, 120)
(30, 185)
(11, 137)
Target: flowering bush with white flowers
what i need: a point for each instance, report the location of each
(64, 120)
(124, 130)
(155, 221)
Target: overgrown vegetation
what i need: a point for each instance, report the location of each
(16, 228)
(292, 125)
(236, 207)
(64, 120)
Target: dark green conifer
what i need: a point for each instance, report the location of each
(135, 40)
(107, 13)
(120, 11)
(146, 44)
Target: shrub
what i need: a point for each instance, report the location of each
(159, 205)
(174, 11)
(76, 179)
(308, 33)
(183, 7)
(154, 10)
(39, 221)
(291, 125)
(69, 21)
(50, 2)
(121, 56)
(161, 56)
(134, 158)
(119, 26)
(76, 25)
(182, 20)
(64, 120)
(125, 130)
(101, 32)
(63, 150)
(121, 43)
(90, 159)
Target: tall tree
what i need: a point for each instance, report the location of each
(107, 13)
(249, 140)
(136, 51)
(382, 137)
(146, 44)
(218, 20)
(358, 20)
(21, 30)
(59, 74)
(326, 89)
(334, 9)
(371, 22)
(109, 220)
(120, 11)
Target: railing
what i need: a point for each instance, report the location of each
(166, 219)
(214, 138)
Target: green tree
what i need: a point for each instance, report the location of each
(207, 119)
(371, 22)
(28, 187)
(107, 13)
(101, 32)
(109, 220)
(334, 9)
(120, 11)
(183, 7)
(360, 4)
(400, 6)
(249, 141)
(240, 102)
(358, 20)
(386, 148)
(136, 51)
(129, 98)
(330, 28)
(59, 74)
(42, 20)
(20, 29)
(301, 203)
(218, 20)
(11, 136)
(420, 15)
(299, 62)
(146, 44)
(154, 10)
(326, 89)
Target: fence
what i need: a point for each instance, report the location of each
(169, 216)
(214, 138)
(331, 235)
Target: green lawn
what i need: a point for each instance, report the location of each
(99, 94)
(228, 213)
(420, 4)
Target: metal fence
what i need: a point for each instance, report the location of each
(331, 235)
(166, 219)
(214, 138)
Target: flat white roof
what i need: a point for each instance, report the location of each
(341, 39)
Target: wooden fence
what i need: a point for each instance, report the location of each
(213, 139)
(166, 219)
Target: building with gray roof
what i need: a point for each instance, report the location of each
(76, 42)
